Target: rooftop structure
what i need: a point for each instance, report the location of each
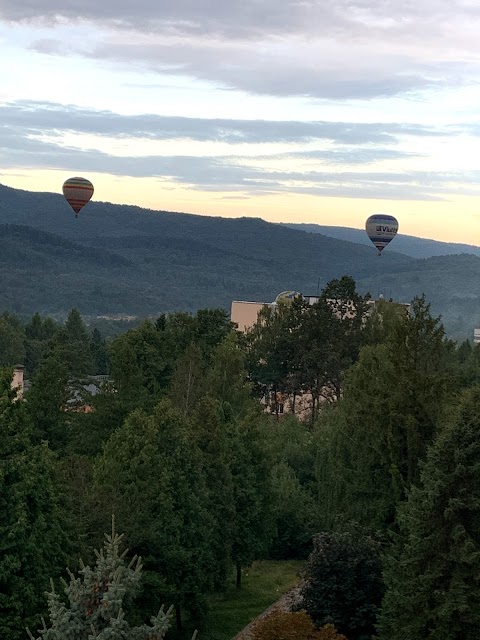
(245, 313)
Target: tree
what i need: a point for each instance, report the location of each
(295, 514)
(95, 601)
(227, 377)
(46, 402)
(38, 335)
(141, 365)
(371, 444)
(98, 349)
(33, 528)
(296, 625)
(331, 339)
(72, 344)
(211, 434)
(213, 326)
(271, 347)
(250, 466)
(432, 572)
(188, 380)
(299, 348)
(343, 582)
(12, 337)
(151, 475)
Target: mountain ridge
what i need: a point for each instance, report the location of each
(123, 259)
(412, 246)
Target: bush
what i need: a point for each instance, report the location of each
(297, 625)
(344, 583)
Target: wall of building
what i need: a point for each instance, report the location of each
(245, 314)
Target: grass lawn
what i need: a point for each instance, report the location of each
(262, 584)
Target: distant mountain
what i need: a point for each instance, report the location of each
(117, 259)
(408, 245)
(186, 261)
(451, 284)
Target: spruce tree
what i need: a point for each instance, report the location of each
(38, 337)
(94, 606)
(98, 349)
(433, 572)
(72, 343)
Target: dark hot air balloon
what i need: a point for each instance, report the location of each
(381, 229)
(77, 192)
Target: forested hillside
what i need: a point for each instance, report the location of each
(408, 245)
(125, 260)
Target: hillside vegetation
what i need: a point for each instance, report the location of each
(408, 245)
(117, 259)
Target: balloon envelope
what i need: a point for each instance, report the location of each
(287, 297)
(77, 192)
(381, 229)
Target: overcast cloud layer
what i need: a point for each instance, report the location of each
(336, 50)
(32, 136)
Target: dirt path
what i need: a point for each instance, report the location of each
(283, 604)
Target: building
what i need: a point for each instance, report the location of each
(245, 314)
(476, 335)
(18, 382)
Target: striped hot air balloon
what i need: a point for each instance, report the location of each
(77, 192)
(381, 229)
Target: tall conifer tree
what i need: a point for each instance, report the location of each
(433, 571)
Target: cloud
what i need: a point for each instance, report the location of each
(50, 118)
(333, 50)
(251, 18)
(230, 174)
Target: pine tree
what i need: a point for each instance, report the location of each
(72, 344)
(98, 349)
(94, 606)
(433, 572)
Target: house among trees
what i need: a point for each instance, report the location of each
(300, 346)
(245, 314)
(18, 382)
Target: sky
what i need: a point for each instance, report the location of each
(318, 111)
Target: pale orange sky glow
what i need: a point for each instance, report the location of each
(434, 220)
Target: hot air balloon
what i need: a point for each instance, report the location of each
(77, 192)
(287, 297)
(381, 229)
